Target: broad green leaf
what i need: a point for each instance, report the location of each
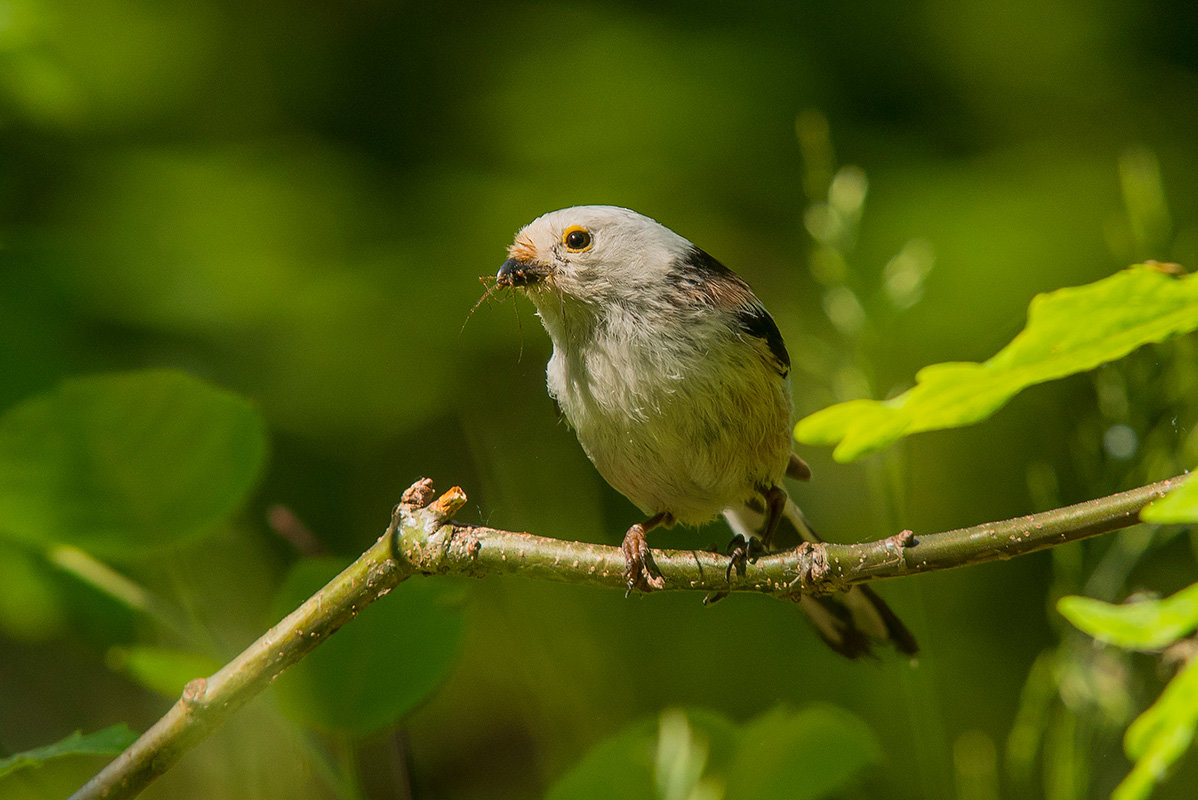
(801, 755)
(1140, 625)
(1068, 331)
(1178, 506)
(381, 664)
(161, 669)
(1161, 735)
(109, 741)
(116, 464)
(806, 754)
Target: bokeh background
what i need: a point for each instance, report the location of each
(296, 200)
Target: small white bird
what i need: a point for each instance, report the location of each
(676, 380)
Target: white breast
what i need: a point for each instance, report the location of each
(688, 424)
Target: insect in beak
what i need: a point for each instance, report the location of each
(517, 272)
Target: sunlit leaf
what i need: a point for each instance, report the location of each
(1068, 331)
(106, 742)
(381, 664)
(1161, 735)
(116, 464)
(1179, 506)
(1140, 625)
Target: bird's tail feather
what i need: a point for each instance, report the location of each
(849, 622)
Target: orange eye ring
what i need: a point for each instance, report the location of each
(577, 239)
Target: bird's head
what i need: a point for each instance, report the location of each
(593, 254)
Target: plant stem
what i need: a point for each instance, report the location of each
(818, 568)
(420, 539)
(206, 702)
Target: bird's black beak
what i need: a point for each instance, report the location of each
(518, 272)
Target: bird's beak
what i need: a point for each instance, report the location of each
(519, 272)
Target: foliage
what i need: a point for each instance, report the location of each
(1068, 331)
(161, 669)
(377, 669)
(293, 200)
(1142, 625)
(1158, 738)
(1179, 506)
(122, 464)
(701, 755)
(109, 741)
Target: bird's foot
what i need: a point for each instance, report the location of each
(637, 562)
(739, 553)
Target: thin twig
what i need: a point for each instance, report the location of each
(817, 569)
(421, 539)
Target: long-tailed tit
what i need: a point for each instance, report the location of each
(676, 380)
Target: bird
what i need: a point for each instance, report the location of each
(676, 380)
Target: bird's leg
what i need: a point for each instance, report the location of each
(775, 504)
(636, 555)
(739, 550)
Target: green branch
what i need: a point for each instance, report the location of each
(421, 539)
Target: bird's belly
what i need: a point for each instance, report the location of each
(678, 445)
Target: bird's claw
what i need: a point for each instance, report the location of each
(739, 552)
(637, 573)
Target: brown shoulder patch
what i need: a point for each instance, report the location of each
(728, 292)
(699, 278)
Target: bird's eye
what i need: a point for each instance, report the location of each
(576, 239)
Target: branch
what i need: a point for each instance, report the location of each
(206, 702)
(421, 539)
(816, 569)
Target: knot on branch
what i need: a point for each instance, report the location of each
(419, 524)
(815, 575)
(896, 544)
(193, 693)
(419, 494)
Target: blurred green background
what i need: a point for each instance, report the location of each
(295, 201)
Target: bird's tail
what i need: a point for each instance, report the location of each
(849, 622)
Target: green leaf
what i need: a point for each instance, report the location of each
(1141, 625)
(1161, 735)
(801, 755)
(109, 741)
(1179, 506)
(116, 464)
(381, 664)
(1068, 331)
(161, 669)
(806, 754)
